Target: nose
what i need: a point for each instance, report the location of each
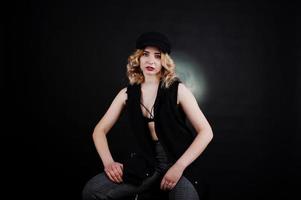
(150, 60)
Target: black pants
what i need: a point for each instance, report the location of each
(101, 187)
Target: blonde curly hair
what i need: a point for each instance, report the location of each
(135, 75)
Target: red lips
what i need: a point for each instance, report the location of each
(149, 68)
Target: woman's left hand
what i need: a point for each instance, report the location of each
(171, 177)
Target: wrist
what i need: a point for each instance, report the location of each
(107, 162)
(181, 165)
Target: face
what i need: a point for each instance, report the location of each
(150, 61)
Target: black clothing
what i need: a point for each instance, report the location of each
(171, 129)
(148, 119)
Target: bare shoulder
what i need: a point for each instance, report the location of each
(184, 93)
(182, 89)
(122, 95)
(113, 112)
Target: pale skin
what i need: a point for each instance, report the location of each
(114, 170)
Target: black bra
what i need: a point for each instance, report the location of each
(151, 119)
(148, 119)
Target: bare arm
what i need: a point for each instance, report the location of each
(200, 124)
(200, 142)
(99, 135)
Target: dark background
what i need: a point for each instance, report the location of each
(65, 62)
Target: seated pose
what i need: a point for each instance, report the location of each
(167, 152)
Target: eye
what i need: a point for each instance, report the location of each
(158, 56)
(145, 54)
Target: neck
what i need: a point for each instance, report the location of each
(151, 80)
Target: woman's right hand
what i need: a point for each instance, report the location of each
(114, 171)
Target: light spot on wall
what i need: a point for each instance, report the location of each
(190, 72)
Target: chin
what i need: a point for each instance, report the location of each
(151, 73)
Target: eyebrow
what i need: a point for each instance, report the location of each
(155, 52)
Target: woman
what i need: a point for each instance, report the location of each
(167, 152)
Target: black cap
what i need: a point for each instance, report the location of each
(156, 39)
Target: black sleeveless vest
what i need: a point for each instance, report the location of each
(171, 129)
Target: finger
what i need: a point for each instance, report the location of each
(113, 171)
(170, 186)
(114, 178)
(162, 184)
(118, 168)
(117, 174)
(121, 175)
(110, 172)
(109, 176)
(165, 185)
(121, 169)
